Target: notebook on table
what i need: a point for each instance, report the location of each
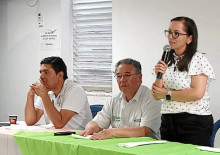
(4, 124)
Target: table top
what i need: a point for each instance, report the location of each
(32, 143)
(21, 126)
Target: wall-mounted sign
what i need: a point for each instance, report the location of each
(49, 39)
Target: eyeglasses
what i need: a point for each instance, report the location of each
(175, 35)
(126, 76)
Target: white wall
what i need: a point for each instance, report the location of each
(138, 28)
(20, 49)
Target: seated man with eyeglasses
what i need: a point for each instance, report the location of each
(132, 113)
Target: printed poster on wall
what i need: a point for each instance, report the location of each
(49, 39)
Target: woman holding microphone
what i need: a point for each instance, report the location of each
(186, 115)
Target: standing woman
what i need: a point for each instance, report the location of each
(186, 115)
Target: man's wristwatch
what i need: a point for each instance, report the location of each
(168, 95)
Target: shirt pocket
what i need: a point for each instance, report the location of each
(116, 121)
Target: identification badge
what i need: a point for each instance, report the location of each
(117, 118)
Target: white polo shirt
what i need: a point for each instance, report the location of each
(141, 110)
(72, 97)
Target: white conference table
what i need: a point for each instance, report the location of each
(8, 145)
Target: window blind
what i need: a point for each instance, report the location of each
(92, 45)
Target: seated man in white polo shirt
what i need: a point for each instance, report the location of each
(132, 113)
(63, 102)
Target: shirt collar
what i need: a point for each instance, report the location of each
(63, 88)
(176, 56)
(136, 96)
(138, 93)
(51, 93)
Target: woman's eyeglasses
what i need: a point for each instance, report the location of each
(175, 35)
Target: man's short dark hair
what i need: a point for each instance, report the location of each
(57, 64)
(129, 61)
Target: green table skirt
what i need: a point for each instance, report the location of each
(45, 143)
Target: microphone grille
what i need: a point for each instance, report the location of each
(166, 48)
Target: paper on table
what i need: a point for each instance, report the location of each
(47, 126)
(133, 144)
(206, 148)
(82, 137)
(20, 127)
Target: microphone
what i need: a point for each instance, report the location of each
(166, 51)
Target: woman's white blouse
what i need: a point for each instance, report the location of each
(176, 80)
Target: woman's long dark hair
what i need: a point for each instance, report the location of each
(191, 29)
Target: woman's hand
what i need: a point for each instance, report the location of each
(158, 93)
(161, 67)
